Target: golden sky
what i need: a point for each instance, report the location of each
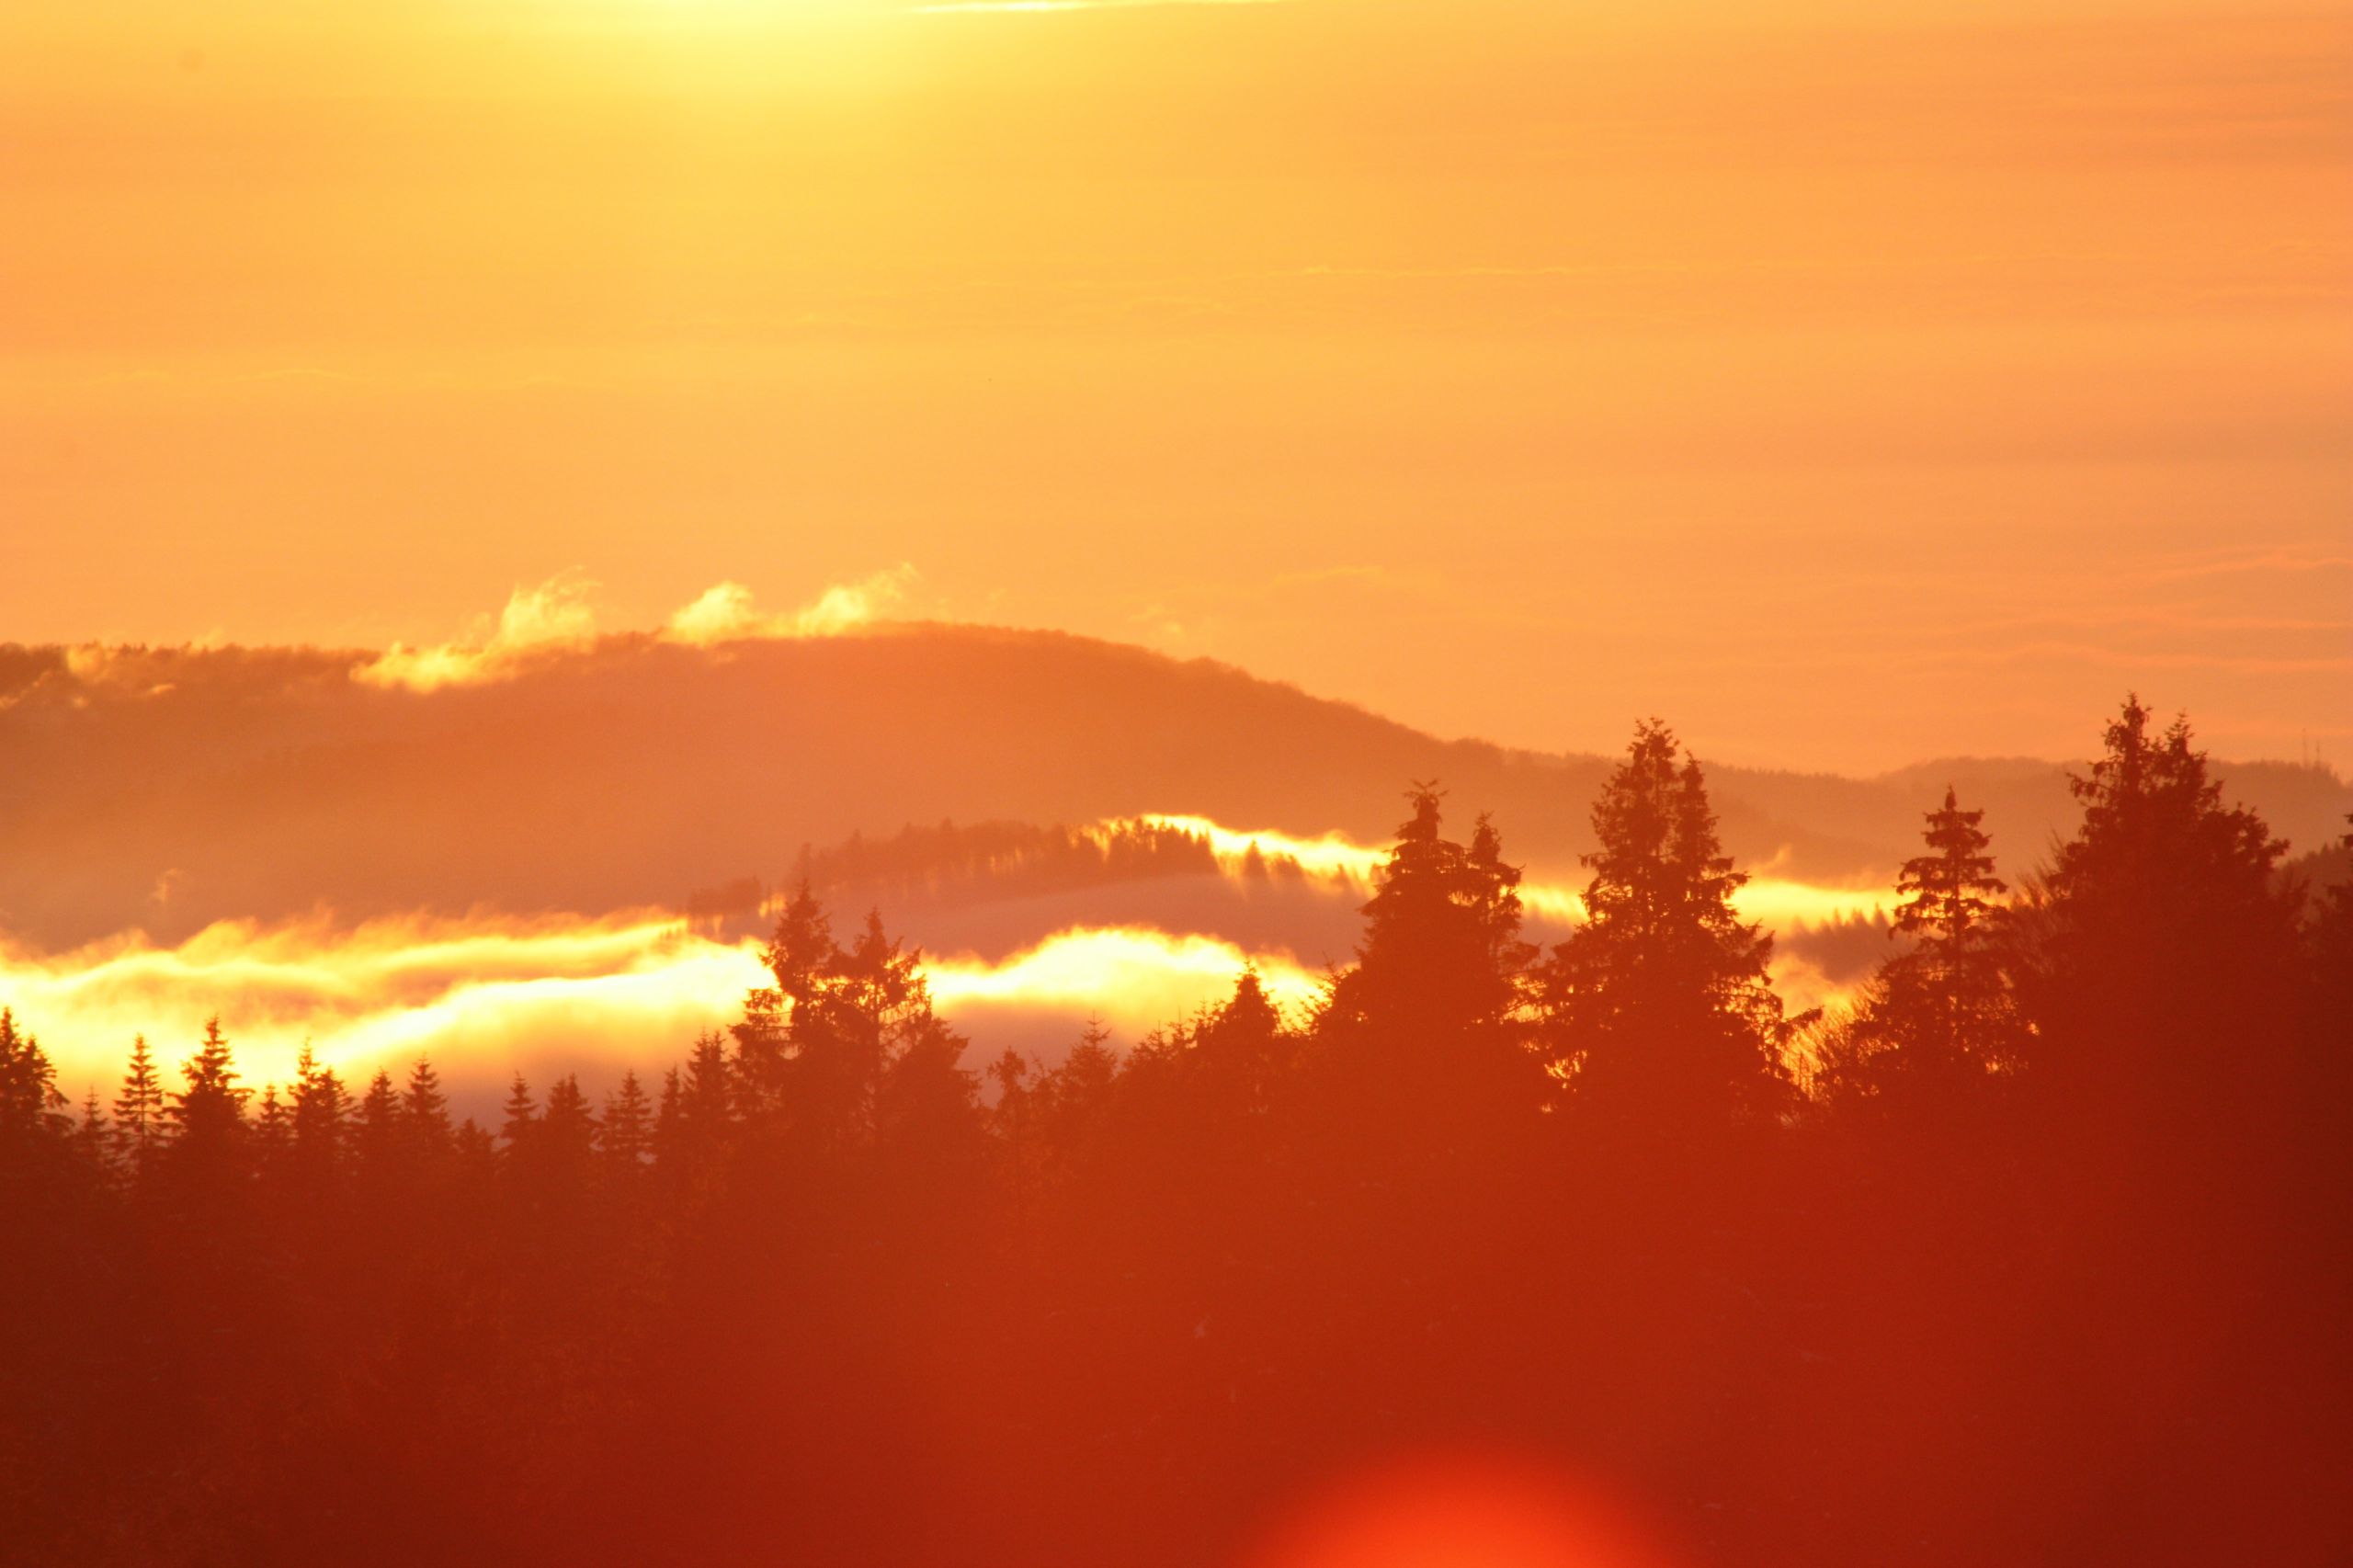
(1847, 390)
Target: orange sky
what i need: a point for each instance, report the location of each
(1848, 392)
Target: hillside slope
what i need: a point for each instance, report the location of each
(166, 788)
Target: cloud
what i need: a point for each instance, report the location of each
(726, 613)
(557, 616)
(2270, 562)
(553, 617)
(486, 994)
(1777, 902)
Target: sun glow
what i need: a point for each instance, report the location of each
(1774, 901)
(485, 993)
(481, 993)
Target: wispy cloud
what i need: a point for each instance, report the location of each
(557, 616)
(2284, 561)
(551, 616)
(727, 613)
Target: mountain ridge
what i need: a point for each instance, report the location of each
(162, 788)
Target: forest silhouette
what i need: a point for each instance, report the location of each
(2036, 1253)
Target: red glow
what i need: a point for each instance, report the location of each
(1462, 1510)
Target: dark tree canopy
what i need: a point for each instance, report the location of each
(2039, 1255)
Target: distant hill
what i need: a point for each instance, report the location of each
(165, 789)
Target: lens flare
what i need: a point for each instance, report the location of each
(1461, 1511)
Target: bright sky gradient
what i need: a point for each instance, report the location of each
(1847, 390)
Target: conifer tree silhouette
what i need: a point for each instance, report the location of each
(424, 1112)
(518, 1120)
(2165, 930)
(208, 1115)
(140, 1127)
(1938, 1018)
(30, 1106)
(1659, 1006)
(627, 1125)
(377, 1134)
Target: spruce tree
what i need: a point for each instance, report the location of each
(1441, 952)
(322, 1117)
(32, 1110)
(424, 1112)
(377, 1133)
(2170, 949)
(519, 1120)
(566, 1131)
(1659, 1007)
(669, 1120)
(207, 1116)
(92, 1145)
(629, 1125)
(1937, 1018)
(139, 1126)
(1948, 996)
(273, 1129)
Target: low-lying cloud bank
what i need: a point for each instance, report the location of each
(489, 995)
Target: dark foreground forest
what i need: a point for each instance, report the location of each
(2038, 1254)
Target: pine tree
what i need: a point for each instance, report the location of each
(1937, 1018)
(207, 1116)
(424, 1113)
(709, 1091)
(1441, 961)
(2166, 933)
(321, 1114)
(519, 1119)
(1245, 1048)
(1949, 995)
(138, 1123)
(273, 1129)
(629, 1125)
(567, 1132)
(1073, 1098)
(800, 954)
(93, 1147)
(32, 1110)
(378, 1134)
(670, 1120)
(1659, 1006)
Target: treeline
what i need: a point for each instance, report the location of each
(953, 864)
(2036, 1253)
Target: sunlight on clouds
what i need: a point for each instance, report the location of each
(557, 616)
(1776, 901)
(1332, 855)
(726, 612)
(483, 994)
(1150, 976)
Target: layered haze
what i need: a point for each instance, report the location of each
(555, 846)
(1852, 386)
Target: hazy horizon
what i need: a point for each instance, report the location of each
(1847, 386)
